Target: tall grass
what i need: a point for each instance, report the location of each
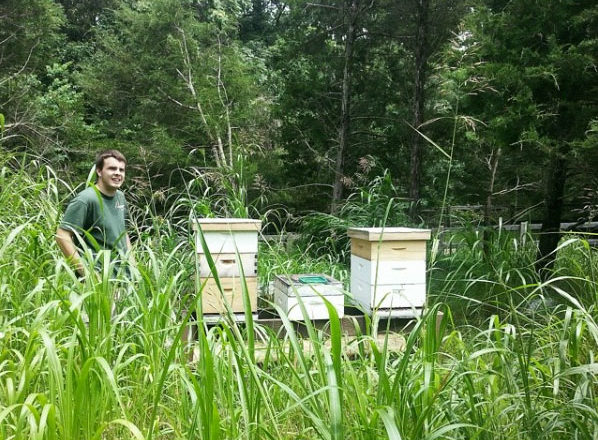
(376, 203)
(515, 374)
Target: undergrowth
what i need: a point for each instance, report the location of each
(523, 371)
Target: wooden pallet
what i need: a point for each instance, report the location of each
(352, 324)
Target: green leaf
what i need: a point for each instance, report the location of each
(387, 415)
(10, 238)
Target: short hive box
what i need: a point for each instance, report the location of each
(232, 244)
(388, 269)
(311, 289)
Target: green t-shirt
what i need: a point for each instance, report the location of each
(103, 217)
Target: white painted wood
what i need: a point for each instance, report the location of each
(226, 224)
(229, 265)
(389, 234)
(314, 305)
(237, 317)
(388, 272)
(400, 313)
(387, 295)
(292, 288)
(244, 242)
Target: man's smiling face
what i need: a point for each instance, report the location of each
(111, 176)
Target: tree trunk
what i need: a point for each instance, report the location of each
(343, 132)
(421, 57)
(486, 237)
(555, 178)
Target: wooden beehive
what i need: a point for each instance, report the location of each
(311, 290)
(233, 247)
(388, 269)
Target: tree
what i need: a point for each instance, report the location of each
(434, 23)
(30, 40)
(352, 12)
(336, 70)
(307, 59)
(541, 57)
(423, 28)
(83, 16)
(172, 76)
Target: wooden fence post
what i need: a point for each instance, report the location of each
(523, 232)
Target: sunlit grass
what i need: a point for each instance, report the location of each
(523, 368)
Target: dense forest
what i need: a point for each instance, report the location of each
(292, 107)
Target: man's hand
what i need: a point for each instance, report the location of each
(131, 260)
(64, 239)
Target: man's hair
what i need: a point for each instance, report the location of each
(105, 155)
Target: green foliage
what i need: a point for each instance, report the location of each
(29, 36)
(486, 273)
(492, 272)
(170, 75)
(83, 15)
(216, 194)
(375, 204)
(30, 39)
(521, 373)
(61, 106)
(536, 73)
(292, 257)
(176, 84)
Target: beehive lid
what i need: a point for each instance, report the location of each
(226, 224)
(389, 234)
(308, 284)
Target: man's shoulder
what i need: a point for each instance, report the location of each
(120, 197)
(88, 195)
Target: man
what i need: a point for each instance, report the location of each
(96, 216)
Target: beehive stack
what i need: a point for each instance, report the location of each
(232, 244)
(388, 269)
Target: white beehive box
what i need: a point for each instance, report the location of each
(289, 290)
(388, 269)
(227, 235)
(233, 246)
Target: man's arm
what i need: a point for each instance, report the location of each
(64, 239)
(132, 260)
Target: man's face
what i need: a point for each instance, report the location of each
(112, 176)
